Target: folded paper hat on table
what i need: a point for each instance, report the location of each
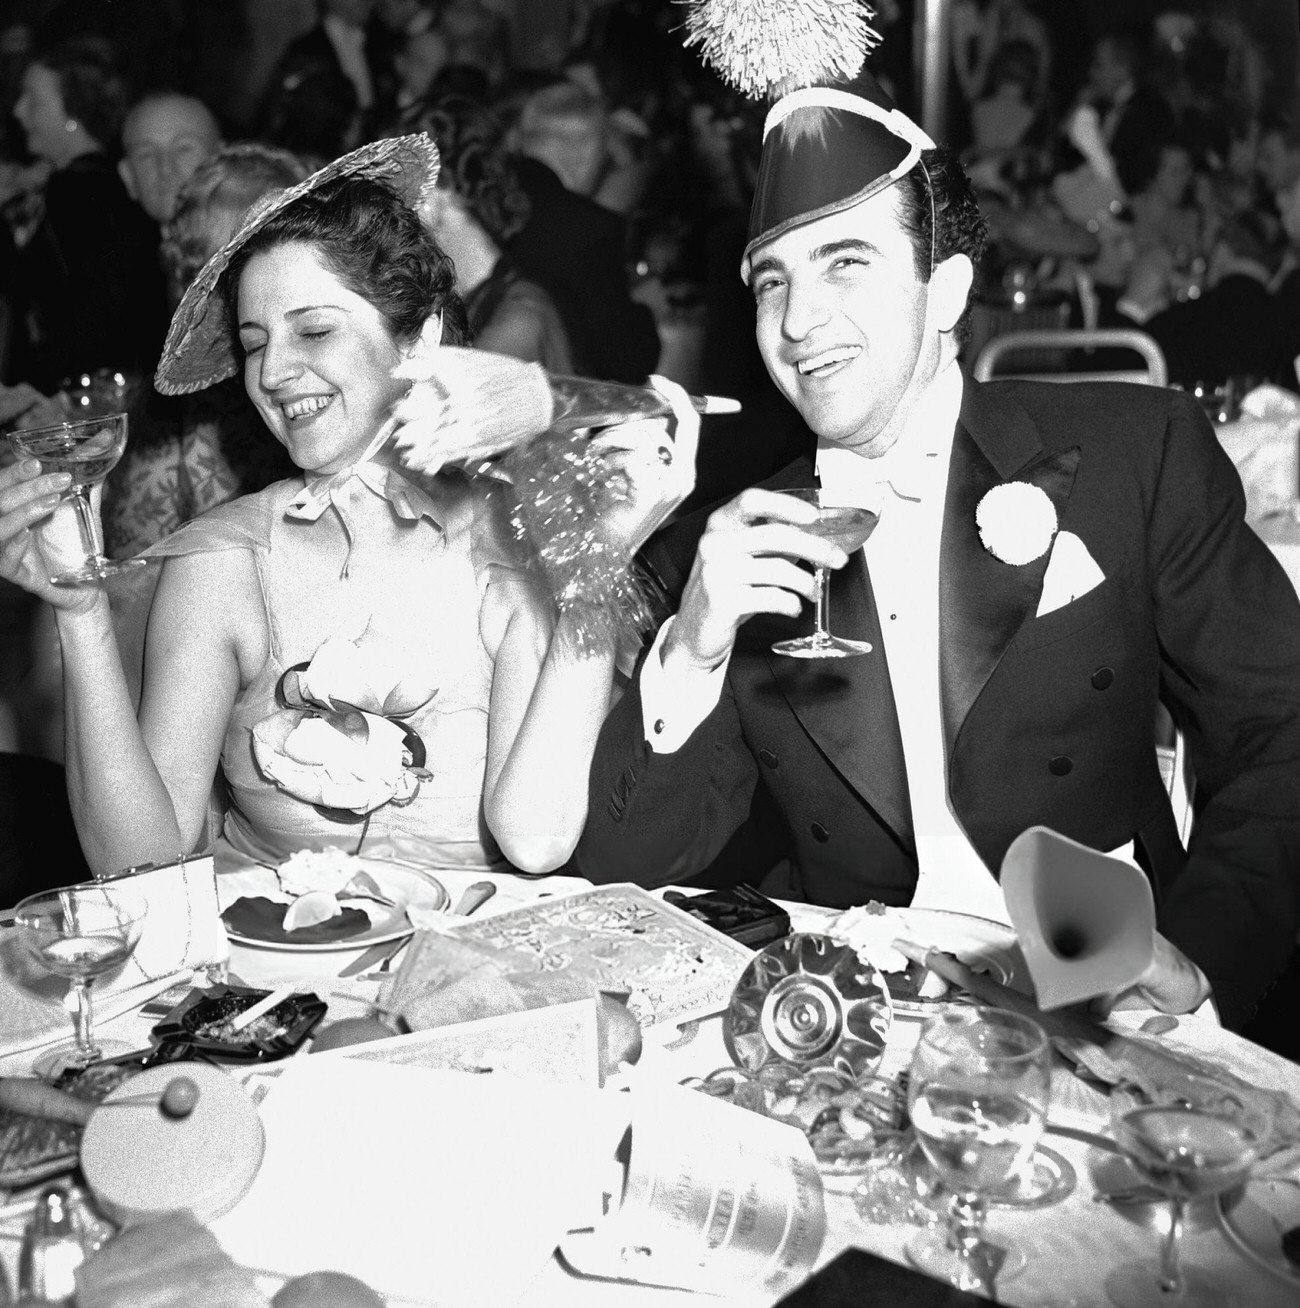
(1085, 921)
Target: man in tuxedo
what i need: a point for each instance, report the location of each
(1049, 563)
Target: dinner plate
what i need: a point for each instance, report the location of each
(405, 886)
(980, 943)
(1256, 1224)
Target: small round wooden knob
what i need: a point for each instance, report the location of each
(180, 1098)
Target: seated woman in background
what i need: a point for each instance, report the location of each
(478, 206)
(346, 623)
(189, 455)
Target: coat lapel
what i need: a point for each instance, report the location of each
(983, 602)
(845, 705)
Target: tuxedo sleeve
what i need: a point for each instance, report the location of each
(1228, 625)
(659, 818)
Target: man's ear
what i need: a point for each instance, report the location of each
(950, 286)
(128, 179)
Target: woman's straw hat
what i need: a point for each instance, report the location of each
(200, 350)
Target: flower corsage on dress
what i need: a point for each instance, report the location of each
(341, 741)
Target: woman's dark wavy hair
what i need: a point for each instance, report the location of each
(475, 163)
(376, 245)
(958, 227)
(95, 90)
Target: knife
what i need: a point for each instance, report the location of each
(1060, 1024)
(373, 956)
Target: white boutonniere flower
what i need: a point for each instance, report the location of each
(1017, 522)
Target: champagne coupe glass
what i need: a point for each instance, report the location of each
(847, 527)
(80, 932)
(88, 450)
(977, 1093)
(1195, 1139)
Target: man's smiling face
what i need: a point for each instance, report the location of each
(842, 322)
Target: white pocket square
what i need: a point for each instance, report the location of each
(1071, 573)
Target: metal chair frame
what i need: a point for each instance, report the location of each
(1153, 373)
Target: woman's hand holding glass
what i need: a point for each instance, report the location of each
(28, 499)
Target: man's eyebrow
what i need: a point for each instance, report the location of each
(850, 243)
(829, 250)
(763, 266)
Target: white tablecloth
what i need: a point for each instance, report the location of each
(1071, 1246)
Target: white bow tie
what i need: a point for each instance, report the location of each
(911, 475)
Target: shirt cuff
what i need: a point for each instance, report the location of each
(672, 706)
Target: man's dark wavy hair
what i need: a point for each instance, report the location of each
(958, 227)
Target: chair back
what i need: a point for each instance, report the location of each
(1036, 311)
(1074, 341)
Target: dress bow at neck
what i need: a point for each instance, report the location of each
(409, 501)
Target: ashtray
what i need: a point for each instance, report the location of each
(202, 1023)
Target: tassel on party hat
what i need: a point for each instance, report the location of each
(766, 47)
(833, 137)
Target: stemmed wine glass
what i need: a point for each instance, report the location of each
(848, 527)
(1199, 1138)
(80, 932)
(88, 450)
(977, 1093)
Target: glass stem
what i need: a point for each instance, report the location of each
(82, 1020)
(1171, 1276)
(821, 632)
(965, 1222)
(966, 1214)
(89, 528)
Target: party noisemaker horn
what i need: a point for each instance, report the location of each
(1085, 921)
(468, 404)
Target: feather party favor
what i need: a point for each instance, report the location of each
(467, 405)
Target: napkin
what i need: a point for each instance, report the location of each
(433, 1187)
(182, 934)
(1263, 445)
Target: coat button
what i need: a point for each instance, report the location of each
(1060, 766)
(819, 833)
(767, 758)
(1103, 678)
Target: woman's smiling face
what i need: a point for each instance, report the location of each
(318, 358)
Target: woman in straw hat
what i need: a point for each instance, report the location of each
(352, 655)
